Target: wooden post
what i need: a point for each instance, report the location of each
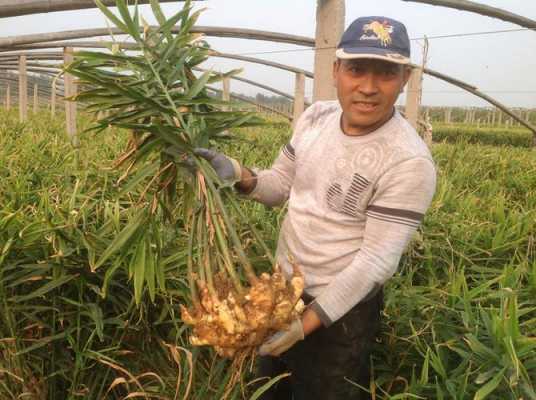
(329, 28)
(448, 115)
(493, 117)
(35, 99)
(53, 98)
(23, 89)
(299, 98)
(499, 118)
(428, 130)
(413, 98)
(226, 93)
(70, 106)
(8, 97)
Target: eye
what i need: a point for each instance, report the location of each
(356, 69)
(389, 71)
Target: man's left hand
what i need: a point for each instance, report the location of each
(283, 340)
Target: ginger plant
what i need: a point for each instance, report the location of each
(147, 85)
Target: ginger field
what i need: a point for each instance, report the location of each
(459, 319)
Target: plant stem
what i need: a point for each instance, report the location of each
(255, 232)
(250, 274)
(205, 262)
(225, 250)
(191, 281)
(199, 247)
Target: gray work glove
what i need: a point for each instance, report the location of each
(283, 340)
(228, 169)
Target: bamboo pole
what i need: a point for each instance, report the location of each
(217, 31)
(264, 62)
(299, 98)
(10, 8)
(329, 28)
(70, 106)
(413, 98)
(23, 89)
(482, 9)
(226, 93)
(487, 98)
(35, 98)
(8, 97)
(53, 98)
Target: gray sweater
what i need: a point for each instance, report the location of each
(354, 203)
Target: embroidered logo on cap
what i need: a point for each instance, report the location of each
(378, 31)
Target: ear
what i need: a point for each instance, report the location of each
(405, 78)
(407, 75)
(335, 72)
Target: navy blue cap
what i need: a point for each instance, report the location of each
(375, 37)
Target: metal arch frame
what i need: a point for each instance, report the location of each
(29, 41)
(482, 9)
(28, 7)
(463, 85)
(237, 33)
(11, 59)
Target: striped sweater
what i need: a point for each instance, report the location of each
(354, 203)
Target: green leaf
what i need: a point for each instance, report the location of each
(170, 23)
(160, 274)
(53, 284)
(150, 272)
(147, 171)
(424, 372)
(121, 239)
(96, 315)
(111, 16)
(199, 85)
(489, 387)
(228, 74)
(42, 342)
(259, 392)
(110, 272)
(132, 29)
(157, 11)
(140, 262)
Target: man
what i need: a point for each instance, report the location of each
(358, 180)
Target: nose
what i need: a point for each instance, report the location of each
(368, 84)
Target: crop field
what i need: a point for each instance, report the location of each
(459, 319)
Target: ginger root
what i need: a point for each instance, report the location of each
(231, 323)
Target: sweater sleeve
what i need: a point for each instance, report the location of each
(402, 196)
(274, 184)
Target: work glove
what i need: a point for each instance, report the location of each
(228, 169)
(283, 340)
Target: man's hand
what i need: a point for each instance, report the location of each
(227, 168)
(281, 341)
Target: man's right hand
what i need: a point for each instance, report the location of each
(228, 169)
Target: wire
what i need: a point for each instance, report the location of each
(485, 91)
(454, 35)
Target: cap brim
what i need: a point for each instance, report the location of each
(373, 53)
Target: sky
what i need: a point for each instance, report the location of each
(502, 65)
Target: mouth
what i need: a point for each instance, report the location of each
(365, 106)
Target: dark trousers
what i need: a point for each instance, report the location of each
(322, 364)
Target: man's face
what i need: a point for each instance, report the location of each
(367, 90)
